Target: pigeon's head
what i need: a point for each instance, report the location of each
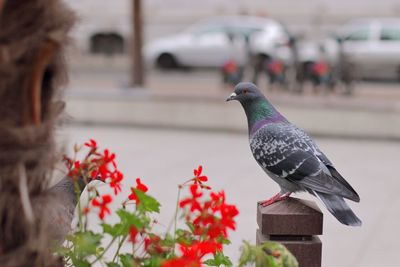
(245, 92)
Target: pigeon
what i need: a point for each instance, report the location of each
(57, 215)
(291, 158)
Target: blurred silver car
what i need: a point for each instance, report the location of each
(211, 42)
(373, 46)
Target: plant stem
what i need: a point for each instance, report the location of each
(104, 251)
(119, 247)
(176, 215)
(76, 187)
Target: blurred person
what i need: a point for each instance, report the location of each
(320, 75)
(293, 72)
(344, 70)
(232, 73)
(320, 72)
(275, 70)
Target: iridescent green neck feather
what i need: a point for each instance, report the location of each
(258, 110)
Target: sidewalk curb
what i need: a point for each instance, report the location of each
(142, 109)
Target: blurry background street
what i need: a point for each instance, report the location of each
(178, 119)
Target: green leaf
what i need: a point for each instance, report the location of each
(168, 240)
(184, 236)
(219, 259)
(80, 263)
(99, 250)
(222, 240)
(269, 254)
(112, 264)
(128, 218)
(210, 262)
(115, 230)
(86, 243)
(146, 203)
(126, 260)
(154, 261)
(63, 251)
(191, 226)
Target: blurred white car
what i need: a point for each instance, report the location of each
(373, 46)
(211, 42)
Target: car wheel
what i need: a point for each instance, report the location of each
(166, 61)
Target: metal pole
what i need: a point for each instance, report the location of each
(137, 73)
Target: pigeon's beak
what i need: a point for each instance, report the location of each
(231, 97)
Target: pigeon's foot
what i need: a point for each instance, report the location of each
(276, 198)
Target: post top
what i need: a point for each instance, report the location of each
(292, 216)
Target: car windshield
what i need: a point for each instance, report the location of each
(233, 27)
(357, 35)
(390, 33)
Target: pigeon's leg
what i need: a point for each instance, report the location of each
(278, 197)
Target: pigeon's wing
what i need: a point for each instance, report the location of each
(328, 164)
(279, 150)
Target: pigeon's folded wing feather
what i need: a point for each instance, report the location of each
(289, 157)
(350, 192)
(283, 154)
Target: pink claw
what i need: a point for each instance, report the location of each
(276, 198)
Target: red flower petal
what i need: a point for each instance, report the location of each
(105, 199)
(141, 186)
(92, 143)
(133, 231)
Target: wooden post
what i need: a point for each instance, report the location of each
(294, 223)
(137, 72)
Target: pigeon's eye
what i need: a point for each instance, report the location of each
(245, 91)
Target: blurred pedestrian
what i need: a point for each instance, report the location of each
(232, 72)
(345, 70)
(275, 70)
(320, 75)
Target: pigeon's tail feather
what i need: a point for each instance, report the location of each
(335, 174)
(338, 207)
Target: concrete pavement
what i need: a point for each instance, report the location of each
(195, 99)
(321, 115)
(164, 158)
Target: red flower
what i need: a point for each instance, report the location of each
(102, 169)
(94, 174)
(109, 158)
(115, 183)
(181, 262)
(152, 245)
(200, 179)
(102, 204)
(209, 247)
(139, 186)
(200, 249)
(213, 218)
(192, 201)
(227, 214)
(133, 231)
(85, 210)
(92, 144)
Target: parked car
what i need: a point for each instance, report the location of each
(212, 42)
(373, 46)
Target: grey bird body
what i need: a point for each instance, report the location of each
(57, 215)
(291, 158)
